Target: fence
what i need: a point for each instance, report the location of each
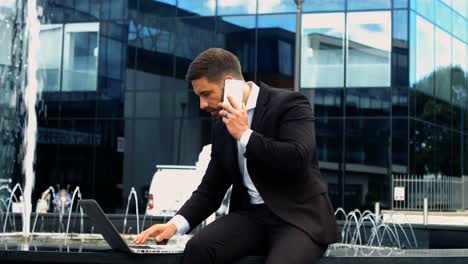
(444, 193)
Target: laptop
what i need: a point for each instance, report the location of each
(105, 227)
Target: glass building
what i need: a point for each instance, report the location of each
(387, 80)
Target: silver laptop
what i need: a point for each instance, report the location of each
(105, 227)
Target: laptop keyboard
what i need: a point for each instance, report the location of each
(142, 246)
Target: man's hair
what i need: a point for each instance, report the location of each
(214, 64)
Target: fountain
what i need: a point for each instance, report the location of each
(43, 200)
(76, 193)
(134, 194)
(30, 99)
(354, 233)
(10, 202)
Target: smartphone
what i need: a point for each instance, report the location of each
(234, 88)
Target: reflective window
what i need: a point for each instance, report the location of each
(76, 105)
(465, 155)
(400, 27)
(169, 2)
(457, 114)
(276, 49)
(6, 35)
(422, 147)
(163, 8)
(129, 104)
(460, 26)
(196, 7)
(70, 143)
(152, 40)
(239, 7)
(10, 112)
(80, 57)
(237, 34)
(400, 101)
(368, 4)
(322, 62)
(423, 49)
(276, 6)
(455, 153)
(442, 111)
(81, 11)
(422, 105)
(326, 101)
(237, 23)
(50, 62)
(443, 60)
(169, 103)
(400, 3)
(330, 145)
(111, 58)
(465, 121)
(459, 72)
(112, 90)
(400, 48)
(152, 34)
(367, 142)
(147, 104)
(369, 49)
(115, 9)
(400, 145)
(367, 162)
(444, 159)
(109, 163)
(443, 16)
(426, 8)
(461, 6)
(323, 5)
(447, 2)
(368, 101)
(329, 134)
(194, 35)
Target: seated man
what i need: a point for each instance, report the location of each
(265, 148)
(62, 202)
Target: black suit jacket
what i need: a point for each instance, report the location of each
(282, 161)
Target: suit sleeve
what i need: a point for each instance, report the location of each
(208, 196)
(291, 149)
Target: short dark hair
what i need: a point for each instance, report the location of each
(213, 64)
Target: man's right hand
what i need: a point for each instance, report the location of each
(160, 232)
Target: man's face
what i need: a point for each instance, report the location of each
(210, 94)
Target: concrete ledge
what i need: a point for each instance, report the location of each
(43, 257)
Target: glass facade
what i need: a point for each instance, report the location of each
(11, 65)
(387, 80)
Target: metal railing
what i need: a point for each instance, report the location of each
(444, 193)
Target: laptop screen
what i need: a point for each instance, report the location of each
(103, 225)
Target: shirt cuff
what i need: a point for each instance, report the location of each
(181, 224)
(244, 140)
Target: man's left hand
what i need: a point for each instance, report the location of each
(235, 117)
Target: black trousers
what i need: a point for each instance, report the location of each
(254, 231)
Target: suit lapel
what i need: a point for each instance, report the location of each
(260, 108)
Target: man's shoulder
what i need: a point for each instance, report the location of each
(276, 90)
(279, 94)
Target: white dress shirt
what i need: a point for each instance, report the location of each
(180, 222)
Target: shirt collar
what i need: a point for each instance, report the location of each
(253, 96)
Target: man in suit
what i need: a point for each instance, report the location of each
(265, 148)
